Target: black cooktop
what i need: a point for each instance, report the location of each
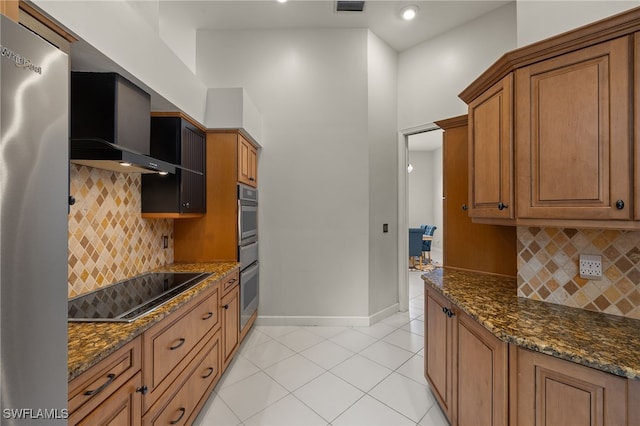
(130, 299)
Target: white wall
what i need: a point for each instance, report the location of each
(119, 31)
(538, 20)
(311, 88)
(383, 174)
(432, 74)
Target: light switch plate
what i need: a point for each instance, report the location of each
(590, 267)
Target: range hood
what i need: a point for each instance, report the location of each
(111, 125)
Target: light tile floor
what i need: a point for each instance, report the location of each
(338, 376)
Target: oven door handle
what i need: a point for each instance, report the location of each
(239, 222)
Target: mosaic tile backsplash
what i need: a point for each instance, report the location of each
(108, 239)
(548, 268)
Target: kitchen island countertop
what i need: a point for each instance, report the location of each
(606, 342)
(91, 342)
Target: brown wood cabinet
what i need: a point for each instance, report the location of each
(109, 393)
(165, 375)
(481, 375)
(438, 351)
(181, 404)
(575, 117)
(247, 162)
(215, 235)
(550, 391)
(171, 344)
(466, 366)
(491, 152)
(573, 135)
(478, 379)
(230, 303)
(468, 245)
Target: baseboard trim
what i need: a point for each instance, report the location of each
(327, 321)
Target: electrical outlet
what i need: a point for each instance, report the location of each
(165, 241)
(590, 266)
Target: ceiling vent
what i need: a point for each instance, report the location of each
(349, 6)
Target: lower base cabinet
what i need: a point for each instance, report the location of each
(181, 407)
(466, 365)
(165, 375)
(550, 391)
(479, 380)
(110, 392)
(230, 323)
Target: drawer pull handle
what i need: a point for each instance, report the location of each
(232, 281)
(182, 411)
(211, 370)
(209, 315)
(110, 378)
(226, 306)
(180, 343)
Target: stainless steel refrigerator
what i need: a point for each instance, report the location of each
(34, 182)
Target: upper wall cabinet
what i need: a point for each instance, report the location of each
(573, 136)
(491, 152)
(247, 162)
(176, 140)
(560, 111)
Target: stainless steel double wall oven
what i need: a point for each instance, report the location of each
(248, 251)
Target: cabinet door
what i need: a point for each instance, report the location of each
(438, 350)
(481, 374)
(491, 152)
(192, 185)
(573, 135)
(551, 391)
(247, 162)
(230, 323)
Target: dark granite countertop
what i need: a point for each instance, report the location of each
(607, 342)
(91, 342)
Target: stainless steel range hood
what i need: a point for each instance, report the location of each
(111, 125)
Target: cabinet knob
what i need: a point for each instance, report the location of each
(502, 206)
(226, 306)
(72, 200)
(142, 389)
(465, 207)
(186, 205)
(620, 204)
(251, 179)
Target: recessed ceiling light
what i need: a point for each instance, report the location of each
(282, 1)
(409, 12)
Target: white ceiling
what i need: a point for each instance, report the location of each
(382, 17)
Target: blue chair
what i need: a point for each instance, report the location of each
(428, 231)
(415, 244)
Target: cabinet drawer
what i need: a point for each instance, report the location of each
(96, 384)
(121, 408)
(230, 281)
(201, 376)
(170, 346)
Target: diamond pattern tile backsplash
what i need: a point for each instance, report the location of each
(108, 239)
(548, 268)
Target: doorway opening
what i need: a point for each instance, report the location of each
(421, 145)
